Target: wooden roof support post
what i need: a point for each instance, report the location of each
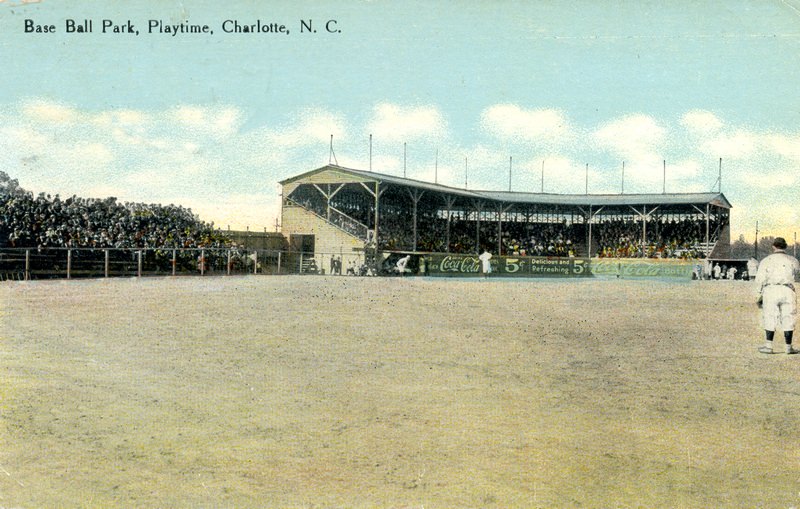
(416, 196)
(478, 209)
(449, 202)
(589, 216)
(500, 210)
(376, 194)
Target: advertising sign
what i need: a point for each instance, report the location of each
(627, 268)
(508, 266)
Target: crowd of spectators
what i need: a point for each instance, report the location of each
(612, 238)
(615, 238)
(48, 221)
(665, 239)
(518, 239)
(540, 239)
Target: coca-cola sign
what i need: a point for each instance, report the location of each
(643, 268)
(460, 264)
(505, 266)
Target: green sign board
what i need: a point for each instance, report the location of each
(465, 265)
(527, 266)
(627, 268)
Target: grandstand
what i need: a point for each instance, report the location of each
(336, 209)
(349, 220)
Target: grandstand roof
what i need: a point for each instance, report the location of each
(339, 174)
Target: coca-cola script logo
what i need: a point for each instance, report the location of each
(454, 264)
(641, 269)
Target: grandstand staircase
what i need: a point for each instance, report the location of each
(720, 248)
(340, 221)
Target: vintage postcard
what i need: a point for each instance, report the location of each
(369, 253)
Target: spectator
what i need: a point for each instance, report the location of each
(50, 221)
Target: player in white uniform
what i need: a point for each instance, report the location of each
(775, 281)
(486, 266)
(400, 266)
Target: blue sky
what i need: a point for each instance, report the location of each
(213, 122)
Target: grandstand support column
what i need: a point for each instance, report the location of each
(69, 263)
(139, 263)
(449, 202)
(644, 231)
(377, 195)
(500, 231)
(644, 214)
(478, 209)
(229, 263)
(377, 207)
(105, 263)
(416, 196)
(589, 220)
(255, 262)
(416, 202)
(708, 225)
(328, 196)
(279, 262)
(500, 211)
(27, 264)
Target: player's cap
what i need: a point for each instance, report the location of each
(779, 242)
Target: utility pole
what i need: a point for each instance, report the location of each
(436, 168)
(509, 174)
(542, 175)
(755, 246)
(404, 159)
(587, 178)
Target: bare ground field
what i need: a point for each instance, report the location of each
(305, 392)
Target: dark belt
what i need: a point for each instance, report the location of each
(787, 285)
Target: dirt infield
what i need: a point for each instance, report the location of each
(375, 392)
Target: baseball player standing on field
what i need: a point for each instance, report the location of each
(775, 280)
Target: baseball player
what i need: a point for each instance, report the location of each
(400, 266)
(486, 266)
(775, 280)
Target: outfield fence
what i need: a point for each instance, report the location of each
(68, 263)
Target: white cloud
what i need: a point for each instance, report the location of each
(632, 138)
(219, 122)
(565, 175)
(735, 145)
(308, 127)
(238, 210)
(22, 138)
(510, 122)
(49, 111)
(201, 157)
(122, 118)
(765, 179)
(784, 145)
(701, 122)
(394, 123)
